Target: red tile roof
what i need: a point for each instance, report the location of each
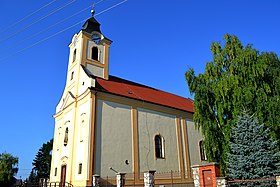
(137, 91)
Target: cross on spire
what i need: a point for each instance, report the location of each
(92, 10)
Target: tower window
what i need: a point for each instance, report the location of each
(202, 151)
(159, 146)
(74, 55)
(72, 75)
(80, 168)
(94, 53)
(55, 171)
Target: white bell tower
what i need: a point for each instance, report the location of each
(89, 48)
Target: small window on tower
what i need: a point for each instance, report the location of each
(72, 75)
(74, 55)
(55, 171)
(94, 53)
(80, 168)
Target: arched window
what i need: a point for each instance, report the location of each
(159, 146)
(202, 151)
(74, 55)
(66, 136)
(94, 53)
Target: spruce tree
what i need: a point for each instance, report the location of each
(252, 153)
(42, 163)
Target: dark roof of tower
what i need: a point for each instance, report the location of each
(91, 25)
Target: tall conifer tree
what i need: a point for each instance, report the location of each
(252, 153)
(42, 163)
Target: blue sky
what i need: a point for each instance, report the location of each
(154, 43)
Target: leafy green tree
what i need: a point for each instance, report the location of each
(42, 163)
(253, 154)
(8, 169)
(238, 77)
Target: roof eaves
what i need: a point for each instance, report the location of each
(138, 99)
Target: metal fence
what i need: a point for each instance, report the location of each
(264, 182)
(164, 179)
(46, 184)
(161, 179)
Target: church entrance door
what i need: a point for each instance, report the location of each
(63, 176)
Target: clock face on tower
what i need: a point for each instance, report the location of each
(96, 38)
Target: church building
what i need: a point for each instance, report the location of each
(105, 124)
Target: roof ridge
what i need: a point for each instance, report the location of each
(149, 87)
(139, 84)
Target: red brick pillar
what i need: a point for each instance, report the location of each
(208, 174)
